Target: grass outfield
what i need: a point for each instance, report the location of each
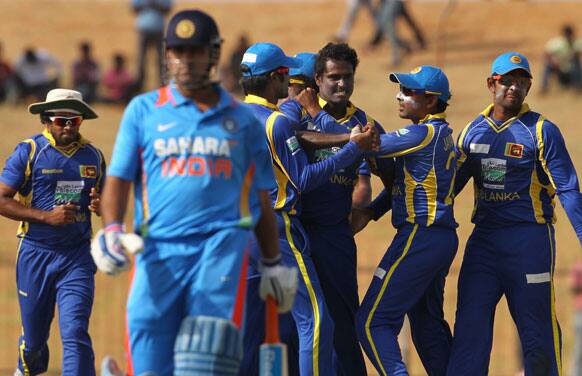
(474, 34)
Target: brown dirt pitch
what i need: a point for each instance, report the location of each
(462, 38)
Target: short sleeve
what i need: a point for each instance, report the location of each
(16, 168)
(125, 157)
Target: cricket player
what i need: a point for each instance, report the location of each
(326, 210)
(201, 172)
(411, 276)
(58, 176)
(519, 162)
(265, 70)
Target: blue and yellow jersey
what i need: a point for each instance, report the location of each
(424, 172)
(330, 203)
(294, 174)
(45, 175)
(193, 172)
(517, 167)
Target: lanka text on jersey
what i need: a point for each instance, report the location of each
(517, 166)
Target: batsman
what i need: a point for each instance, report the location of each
(201, 173)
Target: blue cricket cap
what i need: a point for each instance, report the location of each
(508, 62)
(263, 58)
(192, 27)
(307, 68)
(426, 77)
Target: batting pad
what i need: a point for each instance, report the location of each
(207, 346)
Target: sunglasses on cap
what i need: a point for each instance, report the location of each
(282, 70)
(408, 92)
(63, 121)
(511, 80)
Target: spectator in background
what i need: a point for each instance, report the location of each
(86, 73)
(562, 59)
(36, 72)
(5, 75)
(353, 8)
(576, 288)
(231, 74)
(117, 83)
(150, 26)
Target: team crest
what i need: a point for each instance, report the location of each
(88, 171)
(416, 70)
(513, 150)
(185, 29)
(230, 125)
(515, 59)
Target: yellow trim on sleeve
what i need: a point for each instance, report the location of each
(555, 328)
(255, 99)
(540, 137)
(463, 156)
(269, 126)
(310, 290)
(379, 297)
(426, 141)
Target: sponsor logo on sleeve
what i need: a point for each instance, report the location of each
(293, 145)
(513, 150)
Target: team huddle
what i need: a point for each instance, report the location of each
(236, 202)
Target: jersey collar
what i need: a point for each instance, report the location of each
(350, 111)
(69, 149)
(429, 117)
(505, 124)
(255, 99)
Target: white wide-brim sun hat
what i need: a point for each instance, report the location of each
(63, 100)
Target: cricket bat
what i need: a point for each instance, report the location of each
(272, 353)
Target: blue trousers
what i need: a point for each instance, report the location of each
(518, 262)
(206, 276)
(49, 277)
(313, 322)
(409, 281)
(333, 251)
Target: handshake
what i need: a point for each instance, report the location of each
(366, 137)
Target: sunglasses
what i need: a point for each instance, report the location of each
(63, 121)
(511, 80)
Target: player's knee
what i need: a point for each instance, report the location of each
(538, 362)
(35, 361)
(207, 345)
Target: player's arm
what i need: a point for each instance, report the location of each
(12, 178)
(292, 160)
(405, 141)
(558, 165)
(463, 173)
(315, 140)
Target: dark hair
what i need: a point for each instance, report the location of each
(338, 52)
(441, 106)
(253, 84)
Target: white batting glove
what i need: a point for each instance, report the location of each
(278, 281)
(110, 246)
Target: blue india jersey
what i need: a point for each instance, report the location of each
(518, 166)
(193, 172)
(425, 164)
(46, 175)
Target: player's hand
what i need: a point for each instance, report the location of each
(110, 247)
(309, 101)
(62, 215)
(280, 282)
(367, 138)
(95, 203)
(360, 219)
